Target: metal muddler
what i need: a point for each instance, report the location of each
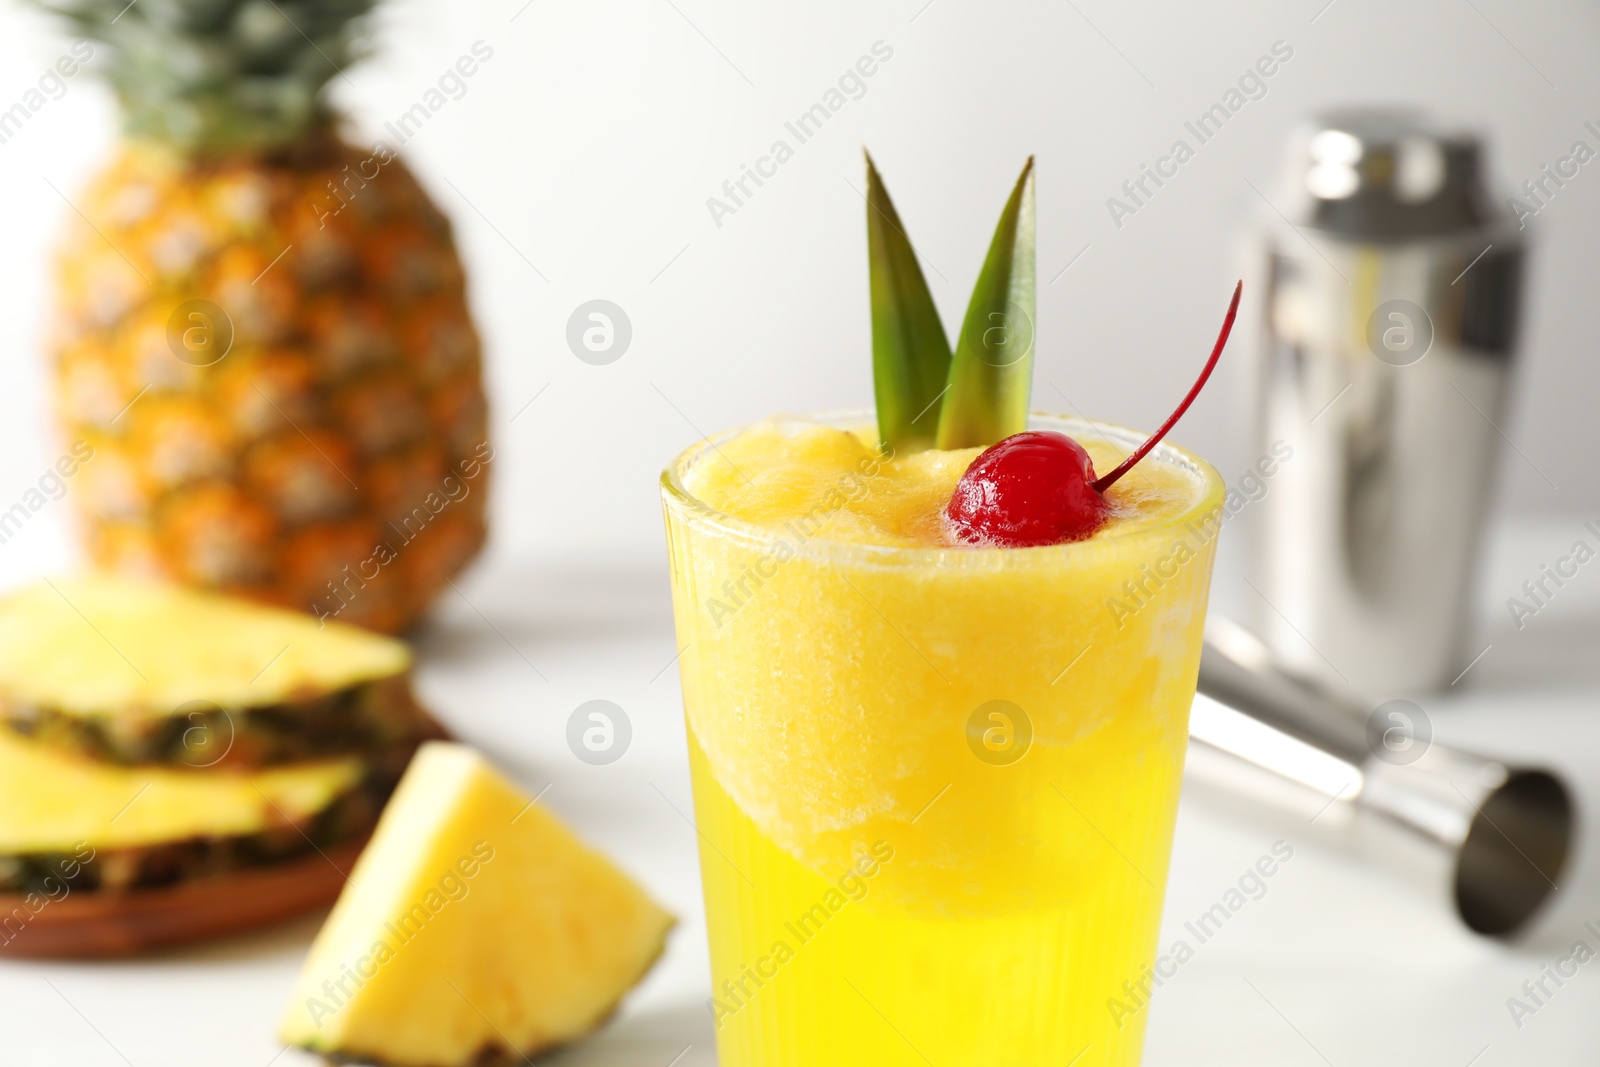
(1490, 838)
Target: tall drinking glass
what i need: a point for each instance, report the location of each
(935, 787)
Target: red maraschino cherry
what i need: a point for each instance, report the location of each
(1033, 488)
(1038, 487)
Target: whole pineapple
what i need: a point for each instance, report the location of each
(262, 330)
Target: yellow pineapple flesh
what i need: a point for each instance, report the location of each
(110, 829)
(139, 672)
(475, 929)
(52, 802)
(99, 645)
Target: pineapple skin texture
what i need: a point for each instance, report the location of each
(517, 932)
(335, 459)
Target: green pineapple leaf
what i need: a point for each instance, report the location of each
(991, 373)
(910, 353)
(221, 77)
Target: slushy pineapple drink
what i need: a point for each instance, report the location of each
(935, 783)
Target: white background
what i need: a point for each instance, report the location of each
(588, 145)
(584, 151)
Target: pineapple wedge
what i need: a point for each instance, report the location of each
(475, 929)
(136, 672)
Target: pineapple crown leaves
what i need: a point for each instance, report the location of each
(220, 77)
(926, 393)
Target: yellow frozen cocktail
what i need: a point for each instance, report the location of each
(937, 678)
(935, 784)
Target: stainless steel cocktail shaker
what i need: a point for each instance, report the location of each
(1392, 289)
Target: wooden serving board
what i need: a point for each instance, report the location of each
(89, 923)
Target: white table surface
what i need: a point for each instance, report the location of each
(1333, 965)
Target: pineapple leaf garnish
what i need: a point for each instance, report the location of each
(991, 372)
(910, 353)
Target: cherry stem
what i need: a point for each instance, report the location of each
(1102, 484)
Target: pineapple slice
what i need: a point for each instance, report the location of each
(116, 827)
(474, 928)
(137, 672)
